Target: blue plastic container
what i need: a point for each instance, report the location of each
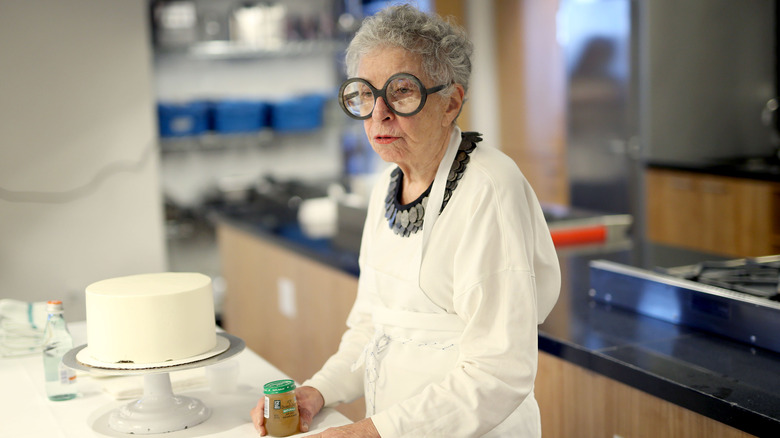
(182, 119)
(239, 116)
(299, 114)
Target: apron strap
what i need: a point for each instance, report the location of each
(436, 198)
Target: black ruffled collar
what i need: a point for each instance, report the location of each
(407, 219)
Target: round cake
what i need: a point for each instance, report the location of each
(150, 318)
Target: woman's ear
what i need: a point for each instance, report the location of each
(454, 106)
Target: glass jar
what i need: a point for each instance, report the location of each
(281, 408)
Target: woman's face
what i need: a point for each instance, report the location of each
(410, 142)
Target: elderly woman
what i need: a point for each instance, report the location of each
(457, 266)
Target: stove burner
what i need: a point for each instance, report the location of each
(740, 299)
(755, 276)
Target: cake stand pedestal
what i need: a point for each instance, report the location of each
(159, 410)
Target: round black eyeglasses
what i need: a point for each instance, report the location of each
(403, 93)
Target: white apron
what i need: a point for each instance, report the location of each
(412, 349)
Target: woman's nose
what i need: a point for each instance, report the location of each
(381, 110)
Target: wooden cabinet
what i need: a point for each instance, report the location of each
(577, 402)
(289, 309)
(718, 214)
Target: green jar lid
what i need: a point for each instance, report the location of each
(279, 386)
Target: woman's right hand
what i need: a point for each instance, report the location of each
(309, 402)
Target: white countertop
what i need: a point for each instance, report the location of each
(28, 413)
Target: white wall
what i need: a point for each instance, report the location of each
(79, 184)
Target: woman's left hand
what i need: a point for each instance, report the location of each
(309, 402)
(362, 429)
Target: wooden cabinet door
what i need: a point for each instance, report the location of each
(720, 203)
(759, 214)
(288, 308)
(674, 209)
(251, 269)
(717, 214)
(576, 402)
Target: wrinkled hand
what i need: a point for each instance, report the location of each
(309, 401)
(362, 429)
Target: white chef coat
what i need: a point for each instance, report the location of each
(448, 347)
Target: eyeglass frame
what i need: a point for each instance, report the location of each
(382, 92)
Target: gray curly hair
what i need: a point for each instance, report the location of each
(444, 48)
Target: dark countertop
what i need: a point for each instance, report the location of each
(291, 237)
(731, 382)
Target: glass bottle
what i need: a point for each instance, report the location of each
(60, 380)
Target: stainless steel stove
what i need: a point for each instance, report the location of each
(738, 298)
(757, 276)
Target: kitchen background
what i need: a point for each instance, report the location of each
(583, 94)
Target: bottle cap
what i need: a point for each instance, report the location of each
(54, 306)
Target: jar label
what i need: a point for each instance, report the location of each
(281, 414)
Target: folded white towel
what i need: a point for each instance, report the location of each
(32, 314)
(21, 327)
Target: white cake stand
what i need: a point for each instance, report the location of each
(159, 410)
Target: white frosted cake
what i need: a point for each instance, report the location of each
(150, 318)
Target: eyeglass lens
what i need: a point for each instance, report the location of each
(403, 95)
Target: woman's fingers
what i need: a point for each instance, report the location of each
(305, 418)
(258, 419)
(310, 402)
